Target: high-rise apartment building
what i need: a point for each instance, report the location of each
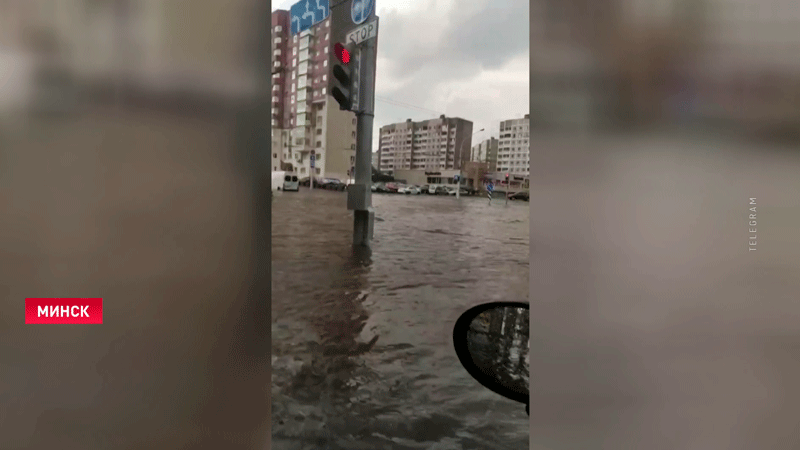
(432, 145)
(305, 118)
(514, 150)
(486, 152)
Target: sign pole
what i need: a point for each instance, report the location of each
(364, 215)
(311, 172)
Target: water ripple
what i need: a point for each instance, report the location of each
(432, 258)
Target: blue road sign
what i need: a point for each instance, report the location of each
(312, 160)
(490, 187)
(307, 13)
(360, 10)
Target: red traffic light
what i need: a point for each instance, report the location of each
(506, 175)
(342, 54)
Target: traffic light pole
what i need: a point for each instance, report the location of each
(361, 195)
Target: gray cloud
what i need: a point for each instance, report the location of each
(472, 39)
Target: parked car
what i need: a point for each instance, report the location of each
(409, 190)
(452, 191)
(392, 187)
(520, 196)
(424, 188)
(381, 188)
(290, 182)
(332, 184)
(432, 189)
(441, 190)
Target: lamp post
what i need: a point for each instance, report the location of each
(458, 186)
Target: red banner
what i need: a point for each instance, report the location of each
(64, 310)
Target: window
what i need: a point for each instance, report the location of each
(293, 99)
(354, 134)
(294, 51)
(295, 39)
(277, 52)
(323, 91)
(325, 63)
(274, 155)
(317, 171)
(293, 75)
(278, 40)
(278, 28)
(327, 36)
(324, 78)
(319, 144)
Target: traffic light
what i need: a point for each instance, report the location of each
(507, 178)
(343, 85)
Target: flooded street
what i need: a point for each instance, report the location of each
(334, 385)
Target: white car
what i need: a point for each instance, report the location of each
(410, 190)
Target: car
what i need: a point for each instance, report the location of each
(424, 188)
(452, 191)
(332, 184)
(441, 190)
(392, 188)
(290, 182)
(522, 195)
(409, 190)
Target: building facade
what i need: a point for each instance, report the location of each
(433, 145)
(514, 150)
(305, 118)
(486, 152)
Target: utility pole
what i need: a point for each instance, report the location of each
(354, 32)
(364, 217)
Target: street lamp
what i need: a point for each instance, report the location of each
(458, 186)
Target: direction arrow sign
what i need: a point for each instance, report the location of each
(307, 13)
(363, 33)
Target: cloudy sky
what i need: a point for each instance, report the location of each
(465, 59)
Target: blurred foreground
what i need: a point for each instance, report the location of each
(653, 324)
(127, 135)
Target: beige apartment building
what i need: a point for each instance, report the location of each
(514, 150)
(433, 145)
(305, 118)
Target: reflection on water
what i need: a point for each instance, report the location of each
(362, 344)
(498, 343)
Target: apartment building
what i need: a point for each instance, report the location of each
(305, 118)
(432, 145)
(486, 152)
(514, 150)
